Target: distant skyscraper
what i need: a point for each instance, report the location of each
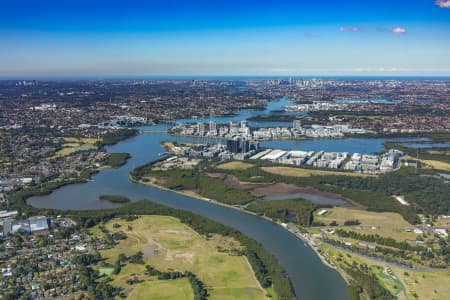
(200, 128)
(297, 124)
(241, 145)
(212, 126)
(234, 127)
(234, 124)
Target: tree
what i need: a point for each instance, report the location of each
(117, 267)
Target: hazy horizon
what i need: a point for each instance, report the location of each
(160, 38)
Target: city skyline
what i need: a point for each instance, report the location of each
(48, 39)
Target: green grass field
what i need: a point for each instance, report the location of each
(301, 172)
(235, 165)
(163, 290)
(106, 271)
(168, 244)
(425, 285)
(73, 145)
(385, 224)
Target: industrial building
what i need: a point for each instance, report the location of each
(33, 225)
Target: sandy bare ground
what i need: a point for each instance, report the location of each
(151, 248)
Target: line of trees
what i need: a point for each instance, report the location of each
(113, 137)
(198, 287)
(202, 225)
(390, 255)
(292, 210)
(182, 179)
(89, 279)
(375, 238)
(426, 194)
(365, 282)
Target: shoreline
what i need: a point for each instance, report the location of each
(196, 196)
(287, 138)
(311, 243)
(315, 248)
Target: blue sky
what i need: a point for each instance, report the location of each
(167, 37)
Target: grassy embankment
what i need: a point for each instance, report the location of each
(167, 244)
(403, 283)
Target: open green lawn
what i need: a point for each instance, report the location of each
(163, 290)
(169, 244)
(385, 224)
(235, 165)
(106, 271)
(302, 172)
(73, 145)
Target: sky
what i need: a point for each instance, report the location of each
(98, 38)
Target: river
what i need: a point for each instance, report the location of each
(310, 277)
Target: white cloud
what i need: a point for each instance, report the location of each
(443, 3)
(399, 30)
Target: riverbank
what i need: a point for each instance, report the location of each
(283, 138)
(196, 196)
(18, 199)
(117, 199)
(310, 242)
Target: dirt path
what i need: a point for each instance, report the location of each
(254, 275)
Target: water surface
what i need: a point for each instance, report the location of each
(311, 279)
(316, 199)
